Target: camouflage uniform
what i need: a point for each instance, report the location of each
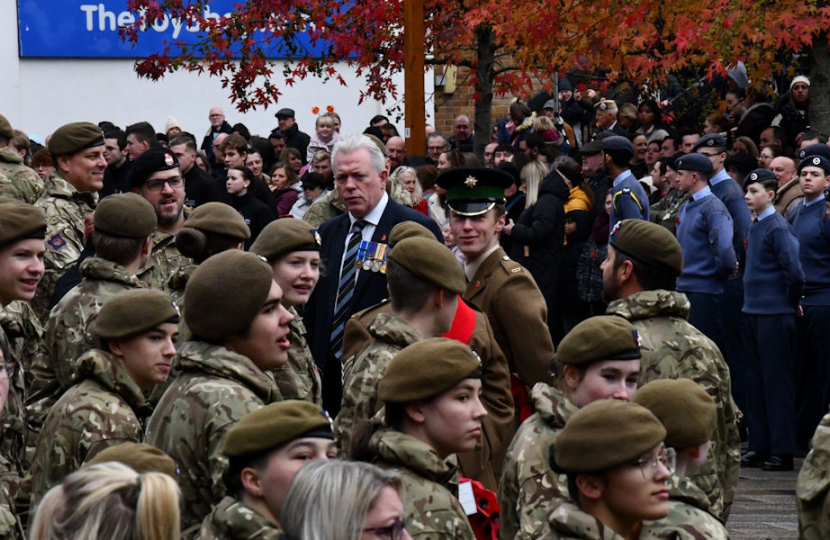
(664, 212)
(324, 209)
(233, 520)
(213, 390)
(100, 411)
(813, 487)
(176, 285)
(570, 523)
(689, 517)
(674, 349)
(299, 378)
(165, 261)
(68, 334)
(12, 463)
(65, 209)
(17, 180)
(529, 489)
(362, 375)
(432, 510)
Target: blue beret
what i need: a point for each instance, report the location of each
(150, 162)
(815, 161)
(815, 150)
(617, 142)
(759, 175)
(712, 140)
(694, 162)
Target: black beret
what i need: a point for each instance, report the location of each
(815, 150)
(150, 162)
(133, 312)
(694, 162)
(711, 140)
(74, 137)
(313, 180)
(815, 161)
(125, 215)
(649, 243)
(20, 221)
(473, 191)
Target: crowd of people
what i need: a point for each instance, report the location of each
(317, 336)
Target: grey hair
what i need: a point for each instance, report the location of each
(329, 499)
(353, 143)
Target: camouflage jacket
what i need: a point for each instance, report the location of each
(165, 261)
(362, 375)
(664, 212)
(65, 209)
(324, 209)
(813, 487)
(689, 517)
(100, 411)
(432, 510)
(674, 349)
(299, 378)
(529, 489)
(176, 286)
(12, 464)
(233, 520)
(213, 390)
(568, 522)
(17, 180)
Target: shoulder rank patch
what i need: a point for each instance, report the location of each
(57, 241)
(516, 270)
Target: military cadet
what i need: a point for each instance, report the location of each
(140, 457)
(689, 416)
(813, 487)
(664, 212)
(431, 414)
(628, 198)
(424, 284)
(22, 231)
(71, 195)
(324, 209)
(265, 450)
(292, 248)
(598, 359)
(138, 331)
(617, 468)
(16, 179)
(156, 176)
(124, 225)
(472, 328)
(476, 200)
(639, 276)
(239, 332)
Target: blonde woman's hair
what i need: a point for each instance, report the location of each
(109, 501)
(398, 192)
(329, 499)
(542, 124)
(533, 173)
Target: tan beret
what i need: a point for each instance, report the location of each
(5, 127)
(408, 229)
(218, 218)
(133, 312)
(649, 244)
(604, 434)
(687, 412)
(125, 215)
(430, 261)
(226, 293)
(284, 236)
(427, 369)
(140, 457)
(606, 337)
(74, 137)
(275, 425)
(605, 105)
(20, 221)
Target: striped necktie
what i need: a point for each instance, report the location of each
(345, 290)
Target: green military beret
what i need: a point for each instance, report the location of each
(218, 218)
(649, 243)
(431, 261)
(473, 191)
(20, 221)
(133, 312)
(604, 434)
(74, 137)
(5, 127)
(225, 294)
(285, 235)
(125, 215)
(427, 369)
(275, 425)
(140, 457)
(408, 229)
(687, 412)
(606, 337)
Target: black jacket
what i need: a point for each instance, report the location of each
(207, 146)
(294, 138)
(255, 214)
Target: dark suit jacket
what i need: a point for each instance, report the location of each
(371, 286)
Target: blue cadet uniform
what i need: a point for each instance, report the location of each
(773, 282)
(628, 198)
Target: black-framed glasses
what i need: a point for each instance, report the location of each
(158, 184)
(393, 531)
(650, 462)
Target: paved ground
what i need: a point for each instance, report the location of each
(764, 507)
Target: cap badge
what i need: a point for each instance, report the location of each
(317, 239)
(816, 161)
(711, 142)
(325, 415)
(753, 176)
(636, 335)
(178, 311)
(471, 182)
(478, 358)
(168, 160)
(617, 227)
(603, 106)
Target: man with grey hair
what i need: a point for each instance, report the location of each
(354, 245)
(437, 144)
(462, 134)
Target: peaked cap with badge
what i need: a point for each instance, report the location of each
(473, 191)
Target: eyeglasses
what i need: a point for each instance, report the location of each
(216, 116)
(667, 456)
(158, 184)
(393, 531)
